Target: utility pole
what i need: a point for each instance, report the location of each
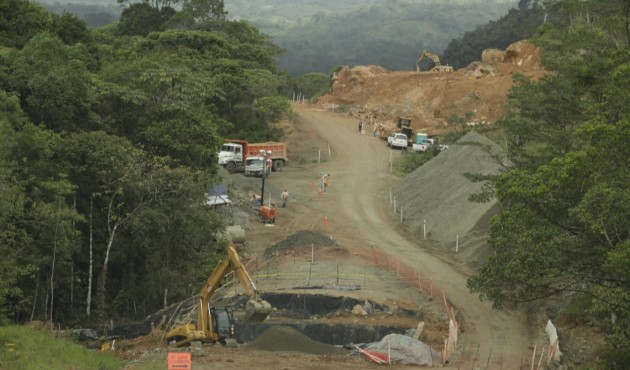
(264, 154)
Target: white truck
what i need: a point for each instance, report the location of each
(424, 143)
(397, 140)
(256, 166)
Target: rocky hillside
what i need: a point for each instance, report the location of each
(478, 91)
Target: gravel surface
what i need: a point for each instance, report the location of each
(284, 338)
(438, 191)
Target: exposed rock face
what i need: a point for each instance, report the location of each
(430, 98)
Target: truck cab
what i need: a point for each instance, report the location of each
(255, 166)
(231, 156)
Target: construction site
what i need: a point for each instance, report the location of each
(372, 268)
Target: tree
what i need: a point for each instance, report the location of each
(53, 82)
(312, 85)
(563, 228)
(115, 183)
(38, 226)
(204, 10)
(12, 199)
(271, 108)
(70, 29)
(516, 25)
(20, 20)
(140, 19)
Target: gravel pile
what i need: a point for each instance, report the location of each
(438, 191)
(284, 338)
(302, 238)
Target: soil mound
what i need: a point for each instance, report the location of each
(284, 338)
(302, 238)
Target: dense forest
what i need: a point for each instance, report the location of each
(109, 140)
(564, 224)
(518, 24)
(390, 34)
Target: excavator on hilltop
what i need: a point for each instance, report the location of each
(437, 66)
(216, 324)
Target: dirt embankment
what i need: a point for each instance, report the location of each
(430, 99)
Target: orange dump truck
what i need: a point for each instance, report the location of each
(234, 153)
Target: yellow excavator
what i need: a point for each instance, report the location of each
(216, 324)
(438, 67)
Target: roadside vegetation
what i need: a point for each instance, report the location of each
(409, 162)
(564, 226)
(108, 143)
(25, 348)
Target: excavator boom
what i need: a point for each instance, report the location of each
(437, 66)
(208, 327)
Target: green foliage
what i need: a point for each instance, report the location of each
(70, 29)
(26, 348)
(516, 25)
(312, 85)
(272, 108)
(21, 20)
(204, 10)
(564, 223)
(409, 162)
(140, 19)
(108, 144)
(53, 82)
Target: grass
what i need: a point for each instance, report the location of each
(25, 348)
(152, 364)
(408, 163)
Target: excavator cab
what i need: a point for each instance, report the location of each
(223, 322)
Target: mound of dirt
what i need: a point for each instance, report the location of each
(438, 191)
(302, 238)
(523, 54)
(430, 98)
(284, 338)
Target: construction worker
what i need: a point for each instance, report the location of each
(285, 197)
(255, 200)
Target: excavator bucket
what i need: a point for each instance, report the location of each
(257, 311)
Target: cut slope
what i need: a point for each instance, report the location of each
(438, 191)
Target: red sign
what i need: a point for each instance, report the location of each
(179, 361)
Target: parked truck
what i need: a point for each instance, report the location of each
(424, 143)
(234, 153)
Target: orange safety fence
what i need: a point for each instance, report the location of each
(268, 271)
(423, 284)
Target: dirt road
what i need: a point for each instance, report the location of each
(356, 208)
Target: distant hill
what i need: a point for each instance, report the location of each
(387, 33)
(319, 35)
(95, 13)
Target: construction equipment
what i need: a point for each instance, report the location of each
(267, 214)
(437, 66)
(216, 324)
(234, 153)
